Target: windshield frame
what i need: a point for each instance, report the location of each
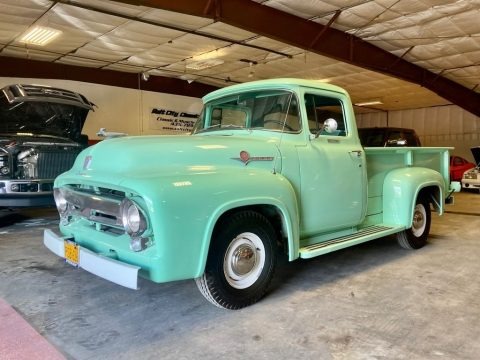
(255, 105)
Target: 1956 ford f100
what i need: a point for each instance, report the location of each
(274, 164)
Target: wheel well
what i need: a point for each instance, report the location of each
(272, 214)
(433, 195)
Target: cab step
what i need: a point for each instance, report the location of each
(363, 235)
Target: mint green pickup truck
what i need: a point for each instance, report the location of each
(271, 167)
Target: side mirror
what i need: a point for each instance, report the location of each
(329, 126)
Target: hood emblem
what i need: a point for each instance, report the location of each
(246, 158)
(87, 162)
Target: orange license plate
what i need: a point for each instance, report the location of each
(72, 252)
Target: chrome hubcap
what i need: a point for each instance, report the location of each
(244, 260)
(419, 220)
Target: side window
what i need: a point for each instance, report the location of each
(282, 113)
(321, 108)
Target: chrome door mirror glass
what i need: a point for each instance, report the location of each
(329, 127)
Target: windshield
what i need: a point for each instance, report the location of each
(42, 118)
(264, 110)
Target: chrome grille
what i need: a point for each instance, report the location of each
(94, 204)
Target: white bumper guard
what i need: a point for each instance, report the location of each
(102, 266)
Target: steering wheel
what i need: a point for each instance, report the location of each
(281, 123)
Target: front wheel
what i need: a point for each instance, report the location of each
(241, 261)
(416, 236)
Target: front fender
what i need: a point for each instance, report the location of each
(400, 191)
(184, 208)
(267, 189)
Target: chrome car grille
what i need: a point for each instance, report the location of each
(98, 205)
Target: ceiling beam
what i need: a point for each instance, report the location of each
(22, 68)
(293, 30)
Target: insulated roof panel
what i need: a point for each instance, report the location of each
(438, 35)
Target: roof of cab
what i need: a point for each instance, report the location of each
(282, 83)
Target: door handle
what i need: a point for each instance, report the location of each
(356, 152)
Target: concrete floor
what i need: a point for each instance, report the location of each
(373, 301)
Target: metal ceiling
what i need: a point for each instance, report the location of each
(406, 53)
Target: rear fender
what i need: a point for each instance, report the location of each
(401, 188)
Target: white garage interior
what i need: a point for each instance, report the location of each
(405, 63)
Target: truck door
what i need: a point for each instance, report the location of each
(332, 167)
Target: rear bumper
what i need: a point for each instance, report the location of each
(109, 269)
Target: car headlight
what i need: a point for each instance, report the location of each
(133, 219)
(60, 201)
(4, 163)
(472, 174)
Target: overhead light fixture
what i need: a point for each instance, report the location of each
(145, 76)
(369, 102)
(203, 64)
(251, 73)
(39, 35)
(187, 78)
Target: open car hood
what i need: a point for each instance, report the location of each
(40, 110)
(476, 154)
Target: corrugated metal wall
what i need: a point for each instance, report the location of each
(436, 126)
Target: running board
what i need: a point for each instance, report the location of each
(363, 235)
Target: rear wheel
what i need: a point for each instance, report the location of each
(416, 236)
(241, 261)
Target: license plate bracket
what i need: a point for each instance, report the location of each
(72, 252)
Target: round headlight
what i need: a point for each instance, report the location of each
(60, 201)
(133, 219)
(4, 170)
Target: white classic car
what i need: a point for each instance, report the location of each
(471, 178)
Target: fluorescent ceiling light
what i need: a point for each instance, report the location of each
(39, 35)
(370, 102)
(203, 64)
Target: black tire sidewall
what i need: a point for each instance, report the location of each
(417, 242)
(246, 221)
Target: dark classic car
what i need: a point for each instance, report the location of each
(40, 137)
(387, 137)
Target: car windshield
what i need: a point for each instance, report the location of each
(263, 110)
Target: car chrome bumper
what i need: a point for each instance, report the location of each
(109, 269)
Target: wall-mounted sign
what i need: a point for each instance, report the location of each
(169, 120)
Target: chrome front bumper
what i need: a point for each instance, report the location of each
(109, 269)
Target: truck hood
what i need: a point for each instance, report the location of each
(42, 118)
(147, 156)
(476, 154)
